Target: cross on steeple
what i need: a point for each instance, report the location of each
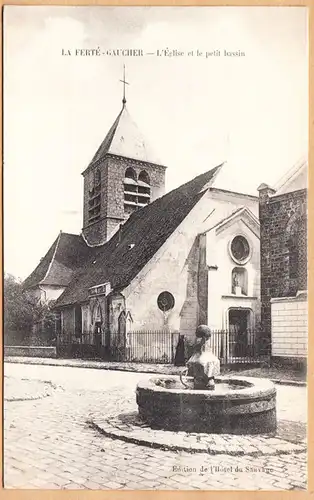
(124, 84)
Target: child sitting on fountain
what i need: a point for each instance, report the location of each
(203, 365)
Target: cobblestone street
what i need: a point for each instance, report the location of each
(49, 443)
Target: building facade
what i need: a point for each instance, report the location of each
(153, 262)
(283, 223)
(189, 257)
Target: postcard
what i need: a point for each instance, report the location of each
(155, 248)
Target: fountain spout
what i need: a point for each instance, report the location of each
(203, 366)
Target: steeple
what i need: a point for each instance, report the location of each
(123, 176)
(125, 139)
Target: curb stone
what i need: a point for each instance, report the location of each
(160, 440)
(135, 369)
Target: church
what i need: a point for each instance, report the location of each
(151, 263)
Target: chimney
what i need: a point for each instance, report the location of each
(265, 192)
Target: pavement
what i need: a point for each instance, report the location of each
(50, 444)
(279, 376)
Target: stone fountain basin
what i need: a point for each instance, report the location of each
(237, 405)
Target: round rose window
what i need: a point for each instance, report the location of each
(240, 249)
(165, 301)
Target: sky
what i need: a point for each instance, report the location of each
(196, 110)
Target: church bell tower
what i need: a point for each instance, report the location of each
(123, 176)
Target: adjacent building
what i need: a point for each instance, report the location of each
(283, 233)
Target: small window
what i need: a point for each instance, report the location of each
(94, 201)
(165, 301)
(91, 181)
(144, 177)
(137, 192)
(130, 173)
(97, 177)
(240, 249)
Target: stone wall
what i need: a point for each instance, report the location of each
(283, 221)
(112, 170)
(289, 327)
(30, 351)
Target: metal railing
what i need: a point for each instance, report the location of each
(233, 347)
(85, 345)
(158, 346)
(151, 346)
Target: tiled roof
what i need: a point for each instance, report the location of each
(118, 261)
(125, 139)
(41, 270)
(62, 259)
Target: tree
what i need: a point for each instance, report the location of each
(22, 312)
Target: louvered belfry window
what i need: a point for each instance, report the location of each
(136, 190)
(94, 202)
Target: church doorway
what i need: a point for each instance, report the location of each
(239, 325)
(98, 328)
(98, 335)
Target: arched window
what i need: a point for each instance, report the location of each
(130, 174)
(130, 190)
(94, 202)
(91, 181)
(122, 325)
(144, 177)
(143, 188)
(97, 177)
(136, 191)
(239, 281)
(97, 313)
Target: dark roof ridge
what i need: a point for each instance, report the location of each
(120, 259)
(158, 200)
(52, 259)
(166, 195)
(108, 138)
(178, 188)
(61, 259)
(42, 267)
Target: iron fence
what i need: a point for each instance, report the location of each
(232, 347)
(158, 346)
(146, 347)
(86, 345)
